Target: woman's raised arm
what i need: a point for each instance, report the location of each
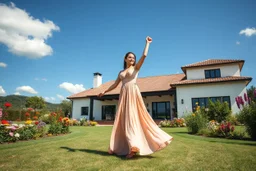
(145, 53)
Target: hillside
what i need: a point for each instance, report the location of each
(18, 102)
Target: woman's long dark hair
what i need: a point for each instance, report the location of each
(126, 55)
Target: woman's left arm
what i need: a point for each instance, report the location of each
(145, 53)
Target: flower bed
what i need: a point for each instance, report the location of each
(176, 122)
(82, 122)
(10, 132)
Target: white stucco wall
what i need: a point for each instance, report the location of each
(77, 104)
(187, 92)
(225, 70)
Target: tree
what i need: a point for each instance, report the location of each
(250, 93)
(35, 102)
(66, 106)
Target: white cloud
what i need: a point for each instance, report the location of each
(46, 98)
(72, 88)
(3, 64)
(237, 42)
(16, 93)
(60, 97)
(44, 79)
(2, 91)
(248, 32)
(27, 89)
(49, 99)
(23, 34)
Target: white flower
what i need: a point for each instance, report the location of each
(21, 125)
(17, 135)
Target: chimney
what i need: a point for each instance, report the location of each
(97, 79)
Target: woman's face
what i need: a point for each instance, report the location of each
(130, 59)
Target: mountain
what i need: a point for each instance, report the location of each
(18, 102)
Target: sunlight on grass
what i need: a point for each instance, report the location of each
(86, 149)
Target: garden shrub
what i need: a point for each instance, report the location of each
(195, 121)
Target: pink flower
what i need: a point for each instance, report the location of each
(13, 128)
(1, 113)
(237, 102)
(241, 100)
(245, 97)
(11, 134)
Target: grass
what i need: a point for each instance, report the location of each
(86, 149)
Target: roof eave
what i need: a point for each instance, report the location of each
(248, 80)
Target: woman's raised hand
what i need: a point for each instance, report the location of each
(148, 39)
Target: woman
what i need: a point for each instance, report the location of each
(134, 130)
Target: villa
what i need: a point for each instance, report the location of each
(169, 96)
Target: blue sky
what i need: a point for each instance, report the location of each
(52, 48)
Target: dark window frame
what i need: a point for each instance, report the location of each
(155, 112)
(103, 114)
(86, 108)
(205, 99)
(212, 73)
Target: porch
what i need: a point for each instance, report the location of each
(160, 105)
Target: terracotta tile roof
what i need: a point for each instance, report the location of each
(145, 84)
(212, 80)
(213, 62)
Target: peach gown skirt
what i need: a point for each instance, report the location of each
(134, 130)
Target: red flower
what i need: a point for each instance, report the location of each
(27, 114)
(4, 122)
(36, 123)
(29, 109)
(232, 128)
(7, 104)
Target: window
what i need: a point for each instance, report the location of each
(108, 112)
(84, 110)
(203, 101)
(213, 73)
(161, 110)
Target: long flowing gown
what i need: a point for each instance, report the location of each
(134, 130)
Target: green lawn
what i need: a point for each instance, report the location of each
(86, 149)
